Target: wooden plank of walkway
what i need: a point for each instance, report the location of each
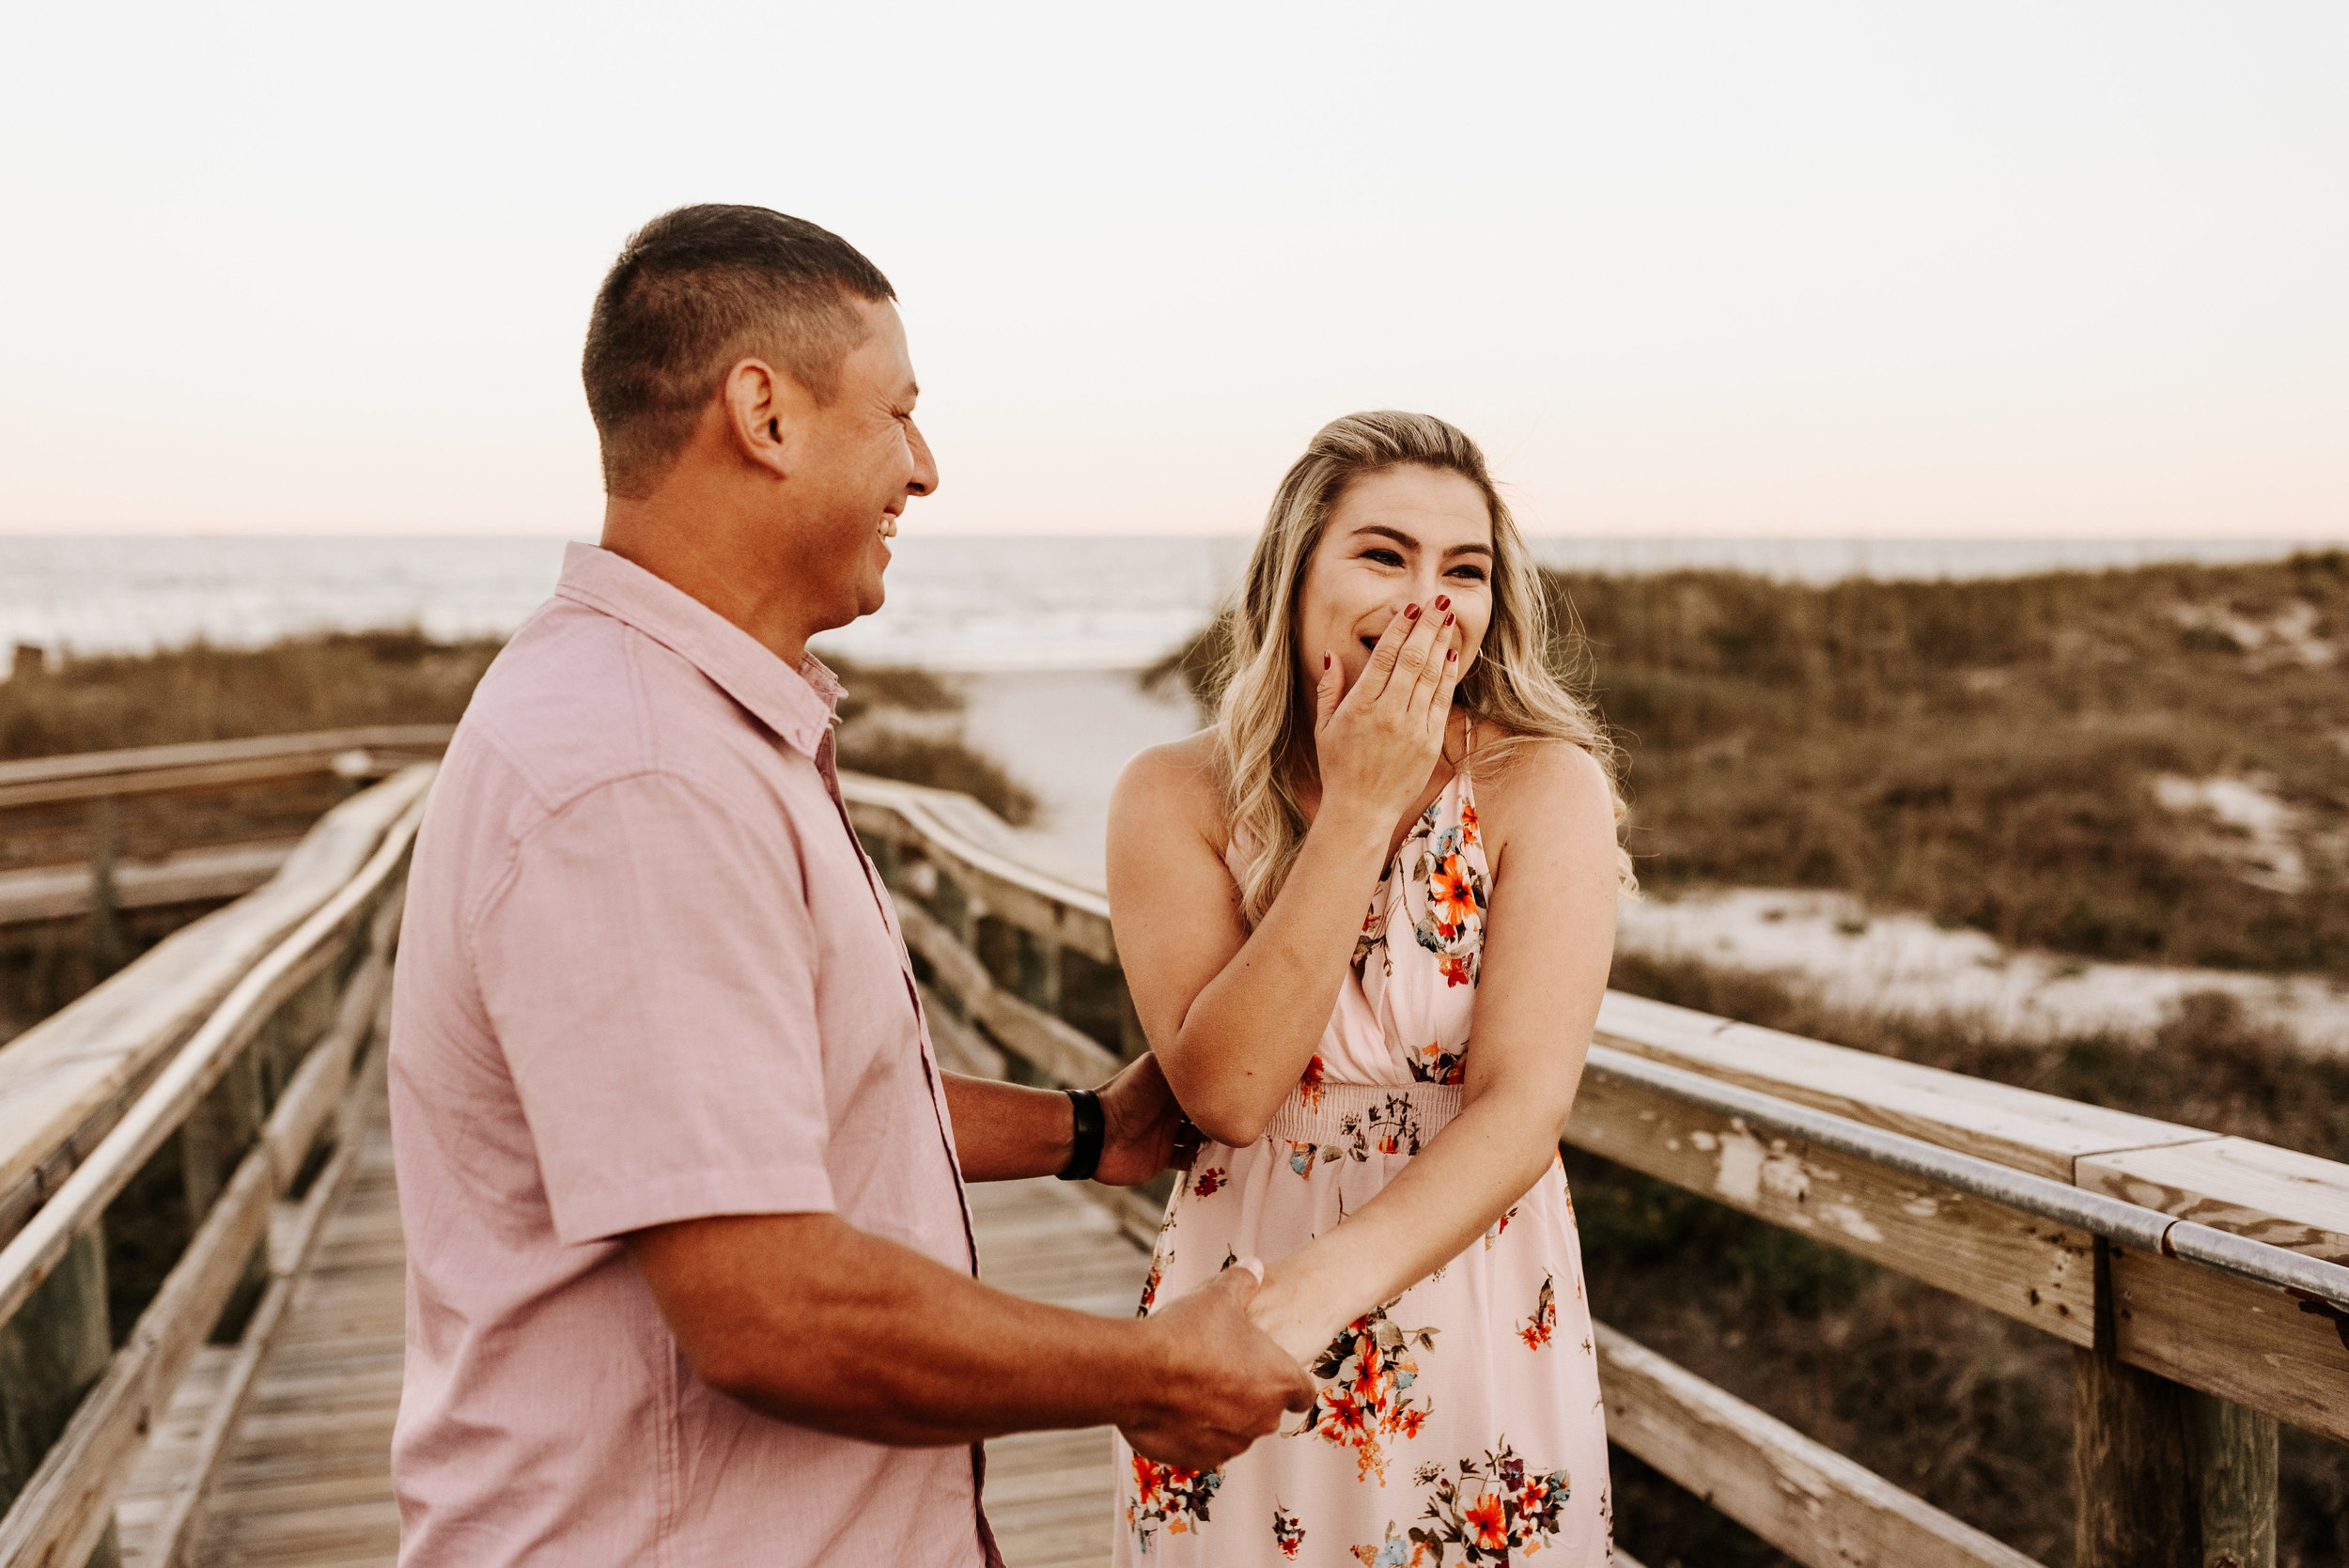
(307, 1484)
(1050, 1494)
(307, 1477)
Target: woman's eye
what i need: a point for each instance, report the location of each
(1384, 557)
(1474, 574)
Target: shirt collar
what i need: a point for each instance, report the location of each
(797, 705)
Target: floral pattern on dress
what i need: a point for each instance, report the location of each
(1309, 1083)
(1395, 1551)
(1500, 1227)
(1208, 1182)
(1446, 894)
(1390, 1128)
(1495, 1507)
(1288, 1533)
(1168, 1497)
(1150, 1285)
(1373, 935)
(1367, 1374)
(1301, 1156)
(1535, 1330)
(1432, 1064)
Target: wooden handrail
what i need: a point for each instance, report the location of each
(203, 765)
(28, 1256)
(968, 841)
(65, 1081)
(208, 872)
(312, 963)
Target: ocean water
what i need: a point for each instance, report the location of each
(955, 603)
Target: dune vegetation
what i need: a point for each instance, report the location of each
(2141, 765)
(340, 679)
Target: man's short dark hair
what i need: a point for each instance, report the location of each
(693, 293)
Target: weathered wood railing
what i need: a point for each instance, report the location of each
(67, 811)
(211, 1082)
(2196, 1277)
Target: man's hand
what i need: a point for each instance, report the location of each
(1143, 1127)
(1225, 1384)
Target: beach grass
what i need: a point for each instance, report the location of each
(332, 681)
(1993, 754)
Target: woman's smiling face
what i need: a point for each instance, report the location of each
(1402, 536)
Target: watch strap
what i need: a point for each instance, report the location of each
(1092, 1132)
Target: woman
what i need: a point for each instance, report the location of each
(1392, 739)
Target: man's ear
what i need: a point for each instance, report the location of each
(767, 414)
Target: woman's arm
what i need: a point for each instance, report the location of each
(1550, 934)
(1232, 1015)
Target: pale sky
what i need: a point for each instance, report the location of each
(1786, 268)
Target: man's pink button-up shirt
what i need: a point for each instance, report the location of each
(646, 975)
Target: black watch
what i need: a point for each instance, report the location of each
(1092, 1132)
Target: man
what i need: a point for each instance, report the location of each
(691, 1280)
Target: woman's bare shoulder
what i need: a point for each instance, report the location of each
(1178, 780)
(1539, 785)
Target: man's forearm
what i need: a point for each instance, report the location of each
(861, 1336)
(1004, 1131)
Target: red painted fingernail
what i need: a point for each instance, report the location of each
(1447, 620)
(1325, 661)
(1452, 656)
(1410, 612)
(1444, 601)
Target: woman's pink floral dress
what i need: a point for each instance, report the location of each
(1458, 1424)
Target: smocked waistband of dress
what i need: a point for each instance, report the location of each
(1331, 1112)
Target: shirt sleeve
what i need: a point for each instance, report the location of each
(649, 969)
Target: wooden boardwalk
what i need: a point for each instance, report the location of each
(307, 1482)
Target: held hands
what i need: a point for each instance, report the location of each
(1378, 742)
(1224, 1384)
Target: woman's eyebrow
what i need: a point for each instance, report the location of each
(1396, 534)
(1485, 551)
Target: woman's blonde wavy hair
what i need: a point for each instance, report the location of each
(1263, 721)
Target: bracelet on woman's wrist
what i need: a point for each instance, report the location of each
(1092, 1131)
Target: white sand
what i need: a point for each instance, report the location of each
(1904, 964)
(1066, 733)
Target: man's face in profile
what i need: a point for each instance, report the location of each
(869, 460)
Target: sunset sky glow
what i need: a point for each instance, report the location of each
(1802, 269)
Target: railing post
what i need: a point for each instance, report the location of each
(956, 911)
(55, 1346)
(2234, 1451)
(105, 924)
(2133, 1486)
(2137, 1503)
(2165, 1477)
(220, 1129)
(1039, 971)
